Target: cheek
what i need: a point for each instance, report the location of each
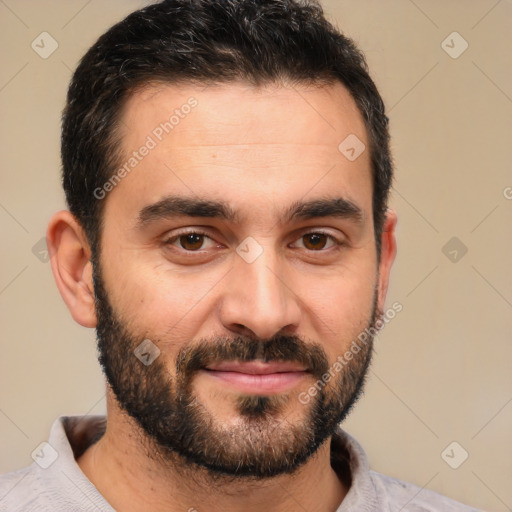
(159, 301)
(341, 308)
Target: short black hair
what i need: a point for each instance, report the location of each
(207, 41)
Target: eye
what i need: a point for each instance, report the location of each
(317, 241)
(192, 241)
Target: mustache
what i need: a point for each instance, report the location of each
(279, 348)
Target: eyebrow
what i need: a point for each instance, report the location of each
(335, 207)
(178, 206)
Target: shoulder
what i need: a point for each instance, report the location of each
(411, 498)
(21, 490)
(34, 489)
(371, 491)
(55, 482)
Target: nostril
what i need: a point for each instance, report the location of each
(242, 329)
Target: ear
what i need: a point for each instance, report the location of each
(70, 258)
(387, 255)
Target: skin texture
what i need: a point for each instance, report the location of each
(259, 150)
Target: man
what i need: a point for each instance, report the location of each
(226, 166)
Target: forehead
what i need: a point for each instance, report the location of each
(242, 143)
(312, 114)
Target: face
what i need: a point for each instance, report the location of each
(241, 244)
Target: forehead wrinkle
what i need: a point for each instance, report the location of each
(293, 144)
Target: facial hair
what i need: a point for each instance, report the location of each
(262, 444)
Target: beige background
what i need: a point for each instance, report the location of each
(443, 368)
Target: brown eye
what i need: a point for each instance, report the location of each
(191, 241)
(315, 241)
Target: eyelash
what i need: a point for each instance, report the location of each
(169, 241)
(177, 236)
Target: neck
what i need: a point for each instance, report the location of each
(119, 467)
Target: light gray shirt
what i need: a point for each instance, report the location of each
(55, 483)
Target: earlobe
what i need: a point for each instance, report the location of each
(387, 255)
(70, 257)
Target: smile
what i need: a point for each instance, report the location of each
(257, 377)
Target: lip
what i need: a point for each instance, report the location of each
(256, 367)
(257, 377)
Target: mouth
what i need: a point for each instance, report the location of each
(257, 377)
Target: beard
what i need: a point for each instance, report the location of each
(179, 430)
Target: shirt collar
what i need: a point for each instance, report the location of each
(72, 435)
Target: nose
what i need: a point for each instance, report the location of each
(258, 301)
